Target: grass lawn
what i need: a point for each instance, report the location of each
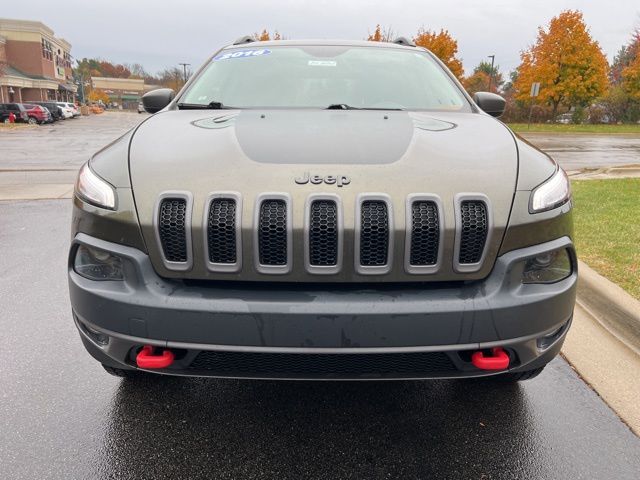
(570, 128)
(607, 229)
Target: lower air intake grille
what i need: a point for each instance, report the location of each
(374, 233)
(323, 233)
(272, 232)
(221, 231)
(425, 233)
(345, 365)
(474, 228)
(172, 229)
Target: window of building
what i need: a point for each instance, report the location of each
(47, 50)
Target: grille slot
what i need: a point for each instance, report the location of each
(323, 233)
(425, 233)
(172, 229)
(272, 233)
(322, 365)
(221, 231)
(473, 231)
(374, 233)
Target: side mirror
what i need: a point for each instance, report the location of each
(156, 100)
(490, 103)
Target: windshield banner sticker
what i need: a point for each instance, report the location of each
(243, 54)
(322, 63)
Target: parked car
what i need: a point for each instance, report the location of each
(54, 109)
(399, 232)
(38, 113)
(140, 107)
(565, 118)
(67, 111)
(74, 108)
(18, 110)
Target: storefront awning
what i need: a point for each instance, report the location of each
(67, 88)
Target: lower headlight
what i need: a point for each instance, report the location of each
(96, 264)
(548, 267)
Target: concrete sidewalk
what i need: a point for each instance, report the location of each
(603, 344)
(609, 366)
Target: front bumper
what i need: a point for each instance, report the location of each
(235, 329)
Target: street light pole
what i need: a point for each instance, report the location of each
(184, 68)
(492, 57)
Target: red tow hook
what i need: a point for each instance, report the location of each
(499, 360)
(146, 358)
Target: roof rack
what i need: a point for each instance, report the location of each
(404, 41)
(245, 39)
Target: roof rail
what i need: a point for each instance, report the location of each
(245, 39)
(404, 41)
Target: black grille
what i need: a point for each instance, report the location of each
(346, 365)
(474, 228)
(172, 229)
(374, 233)
(272, 232)
(425, 233)
(323, 233)
(221, 231)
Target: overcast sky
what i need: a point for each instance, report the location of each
(158, 34)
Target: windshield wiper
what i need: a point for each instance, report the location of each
(341, 106)
(202, 106)
(344, 106)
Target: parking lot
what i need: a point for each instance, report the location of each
(62, 416)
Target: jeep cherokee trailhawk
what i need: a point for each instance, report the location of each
(322, 210)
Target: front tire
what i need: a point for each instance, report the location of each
(32, 121)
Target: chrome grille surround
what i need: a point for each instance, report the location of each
(373, 269)
(323, 269)
(187, 197)
(422, 269)
(273, 269)
(223, 267)
(458, 201)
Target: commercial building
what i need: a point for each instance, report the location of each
(121, 91)
(34, 63)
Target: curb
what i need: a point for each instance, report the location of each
(615, 309)
(605, 173)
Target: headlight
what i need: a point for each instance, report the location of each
(548, 267)
(96, 264)
(93, 189)
(551, 194)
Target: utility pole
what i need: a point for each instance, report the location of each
(184, 68)
(492, 57)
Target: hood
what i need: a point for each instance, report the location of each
(300, 152)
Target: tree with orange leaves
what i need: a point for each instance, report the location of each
(443, 46)
(630, 73)
(380, 34)
(265, 36)
(568, 63)
(97, 95)
(631, 78)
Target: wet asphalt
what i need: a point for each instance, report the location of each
(63, 417)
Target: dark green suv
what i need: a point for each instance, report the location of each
(322, 210)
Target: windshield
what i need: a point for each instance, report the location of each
(321, 76)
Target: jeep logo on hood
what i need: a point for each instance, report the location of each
(339, 180)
